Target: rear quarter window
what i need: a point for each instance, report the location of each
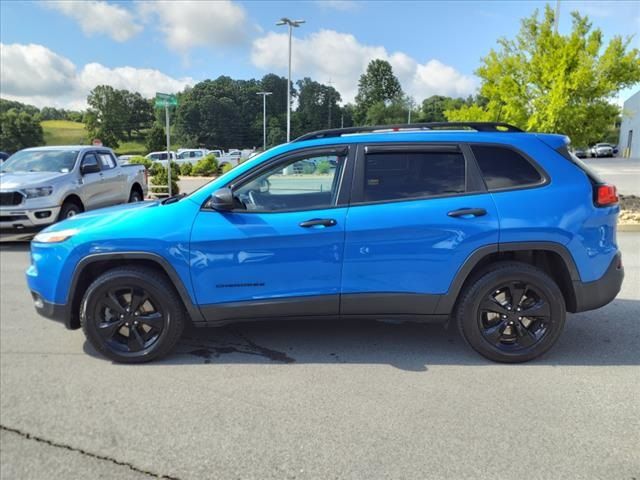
(505, 168)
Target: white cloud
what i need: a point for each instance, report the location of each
(97, 17)
(329, 55)
(189, 24)
(34, 74)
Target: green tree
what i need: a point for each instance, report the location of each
(377, 84)
(6, 105)
(156, 139)
(106, 116)
(386, 113)
(18, 130)
(317, 107)
(139, 112)
(433, 108)
(549, 82)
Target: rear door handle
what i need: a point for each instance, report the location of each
(468, 212)
(318, 222)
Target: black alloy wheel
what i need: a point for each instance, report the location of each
(129, 320)
(514, 316)
(132, 314)
(511, 312)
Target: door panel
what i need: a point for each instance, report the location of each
(238, 257)
(113, 180)
(92, 190)
(280, 252)
(401, 254)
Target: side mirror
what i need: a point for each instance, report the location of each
(222, 200)
(89, 167)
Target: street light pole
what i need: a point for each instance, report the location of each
(264, 118)
(291, 24)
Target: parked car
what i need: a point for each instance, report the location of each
(191, 155)
(124, 159)
(161, 157)
(425, 225)
(39, 186)
(580, 152)
(602, 150)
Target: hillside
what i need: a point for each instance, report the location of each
(64, 132)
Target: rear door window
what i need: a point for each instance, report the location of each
(505, 168)
(405, 175)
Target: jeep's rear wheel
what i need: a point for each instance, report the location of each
(512, 313)
(132, 315)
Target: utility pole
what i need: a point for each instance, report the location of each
(330, 96)
(264, 118)
(556, 17)
(291, 24)
(166, 116)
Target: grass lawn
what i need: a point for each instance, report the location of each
(64, 132)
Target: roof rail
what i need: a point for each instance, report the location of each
(477, 126)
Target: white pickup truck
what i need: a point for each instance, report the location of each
(39, 186)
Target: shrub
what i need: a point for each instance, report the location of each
(225, 168)
(323, 167)
(308, 168)
(160, 179)
(186, 169)
(155, 139)
(139, 160)
(207, 166)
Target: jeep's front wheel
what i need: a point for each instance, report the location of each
(132, 315)
(512, 313)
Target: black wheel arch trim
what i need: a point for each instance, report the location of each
(446, 304)
(192, 310)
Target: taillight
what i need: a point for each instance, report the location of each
(606, 195)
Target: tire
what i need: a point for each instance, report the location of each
(68, 210)
(158, 314)
(135, 196)
(495, 328)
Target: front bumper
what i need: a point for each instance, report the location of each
(52, 311)
(16, 219)
(596, 294)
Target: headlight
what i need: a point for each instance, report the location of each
(38, 192)
(55, 237)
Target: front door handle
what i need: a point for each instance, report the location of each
(318, 222)
(468, 212)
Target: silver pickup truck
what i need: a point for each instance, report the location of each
(39, 186)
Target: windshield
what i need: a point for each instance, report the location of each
(41, 161)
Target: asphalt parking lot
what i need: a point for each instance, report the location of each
(624, 173)
(288, 400)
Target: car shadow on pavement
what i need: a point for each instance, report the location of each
(14, 246)
(609, 336)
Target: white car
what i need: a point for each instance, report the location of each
(191, 155)
(602, 150)
(160, 157)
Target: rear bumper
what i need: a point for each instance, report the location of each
(596, 294)
(52, 311)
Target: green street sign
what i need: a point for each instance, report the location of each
(166, 100)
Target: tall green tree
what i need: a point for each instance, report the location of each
(377, 84)
(317, 106)
(139, 113)
(107, 114)
(18, 130)
(549, 82)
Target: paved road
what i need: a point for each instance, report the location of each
(624, 173)
(320, 400)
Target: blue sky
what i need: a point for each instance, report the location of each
(66, 48)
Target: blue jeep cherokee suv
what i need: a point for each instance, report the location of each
(501, 231)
